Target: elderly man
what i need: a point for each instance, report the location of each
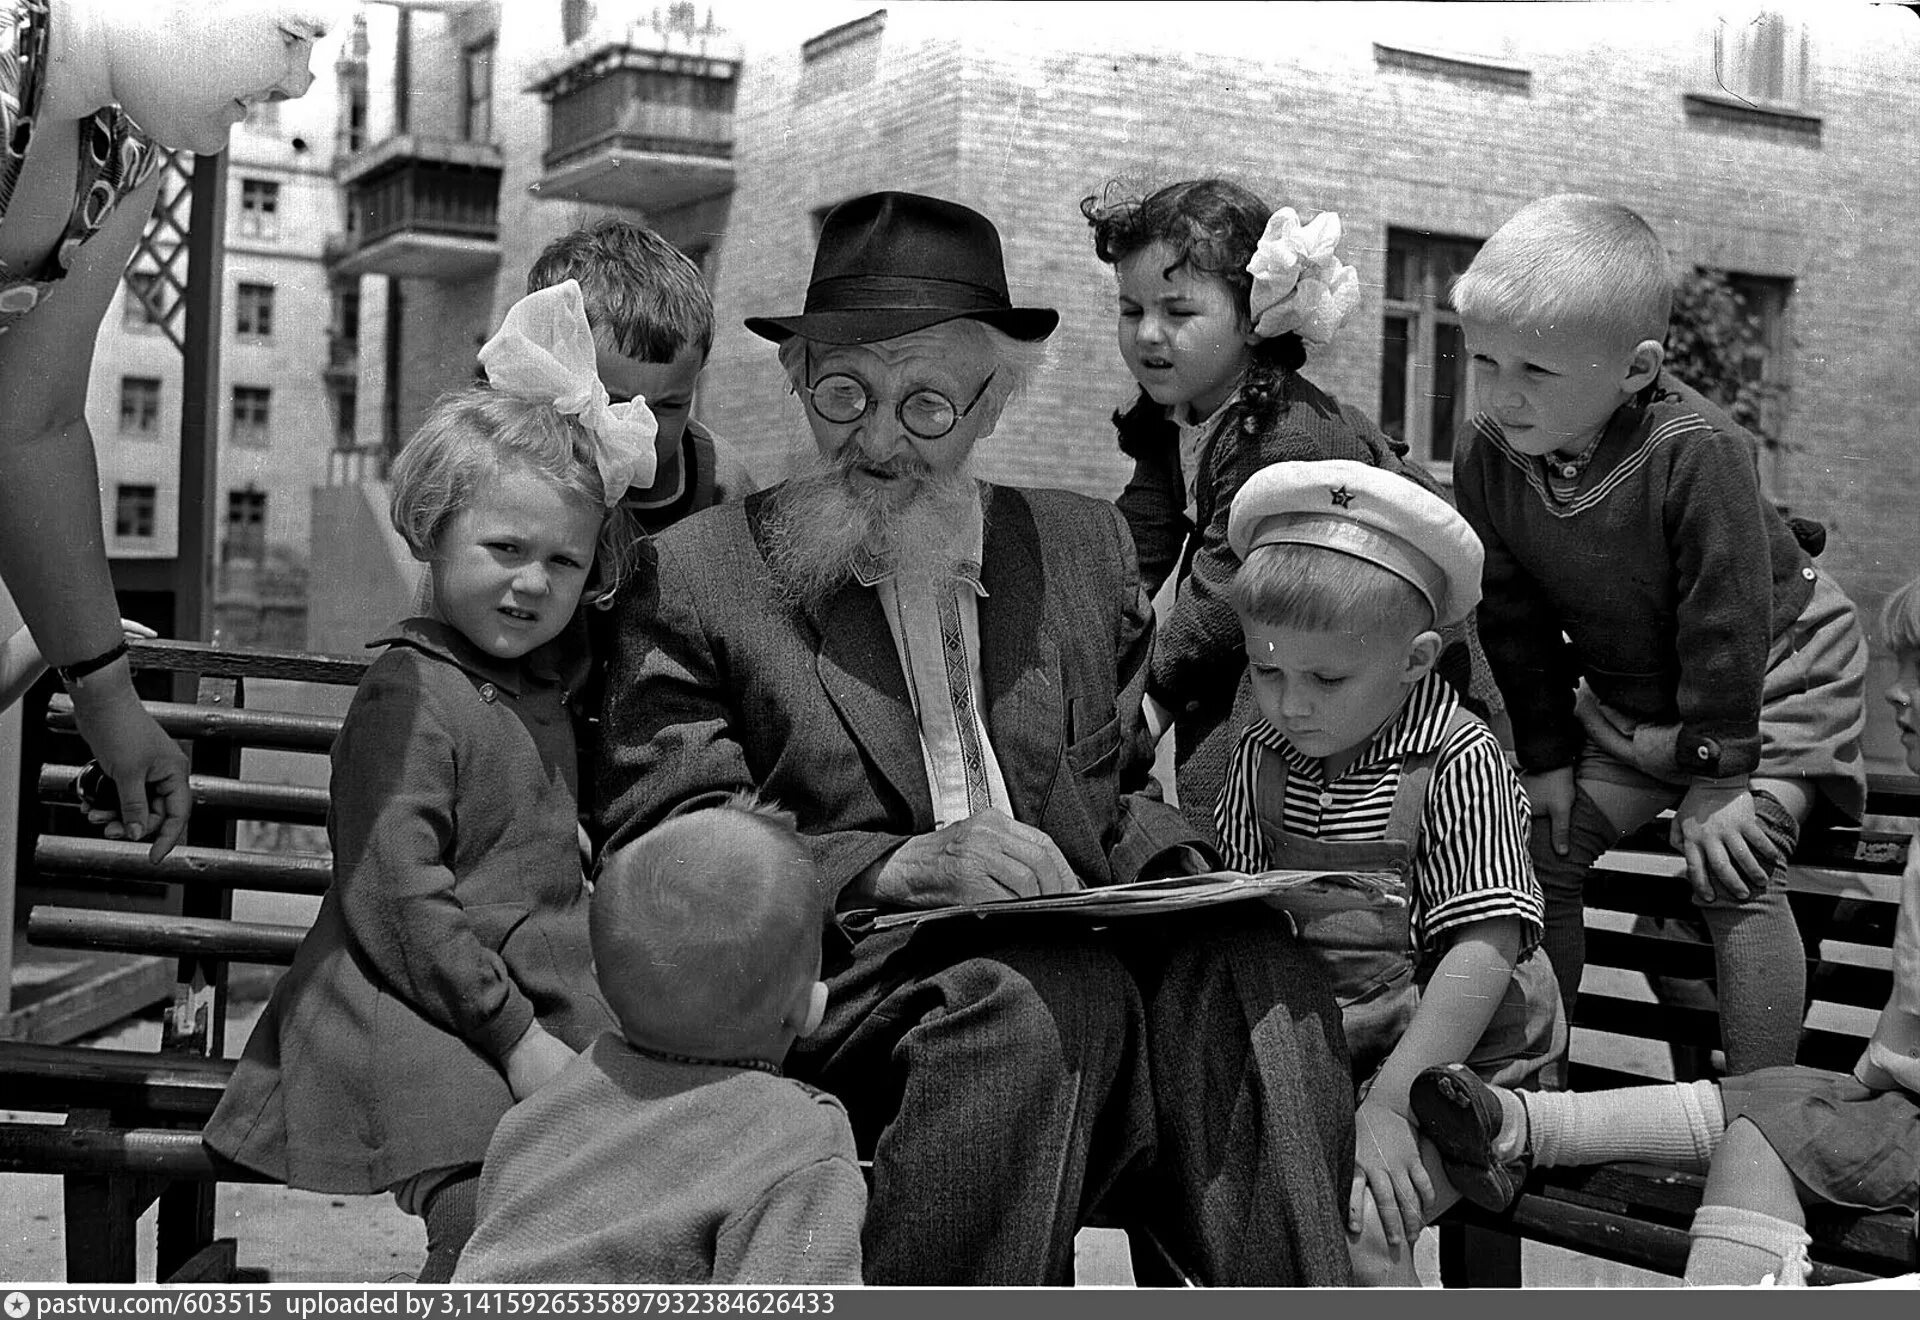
(942, 679)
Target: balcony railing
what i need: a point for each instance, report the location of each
(633, 121)
(424, 207)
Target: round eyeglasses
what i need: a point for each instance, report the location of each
(926, 413)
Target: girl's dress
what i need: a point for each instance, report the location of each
(1178, 517)
(457, 916)
(115, 156)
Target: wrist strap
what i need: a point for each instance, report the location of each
(79, 669)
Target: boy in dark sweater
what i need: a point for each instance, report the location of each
(1659, 635)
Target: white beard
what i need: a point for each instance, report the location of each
(820, 525)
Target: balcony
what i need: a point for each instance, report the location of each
(428, 208)
(643, 120)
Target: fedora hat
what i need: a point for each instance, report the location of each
(891, 263)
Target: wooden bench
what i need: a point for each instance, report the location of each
(132, 1118)
(1845, 890)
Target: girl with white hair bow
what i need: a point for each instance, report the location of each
(448, 973)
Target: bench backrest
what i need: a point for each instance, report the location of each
(196, 925)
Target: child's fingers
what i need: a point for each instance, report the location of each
(1357, 1202)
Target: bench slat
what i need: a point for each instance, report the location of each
(161, 1152)
(71, 857)
(293, 803)
(141, 932)
(253, 728)
(201, 658)
(137, 1085)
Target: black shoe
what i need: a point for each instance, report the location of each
(1460, 1115)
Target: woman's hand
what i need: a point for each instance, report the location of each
(535, 1059)
(147, 767)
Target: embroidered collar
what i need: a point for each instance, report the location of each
(691, 1061)
(869, 571)
(445, 642)
(1418, 726)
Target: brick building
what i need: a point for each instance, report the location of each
(1775, 146)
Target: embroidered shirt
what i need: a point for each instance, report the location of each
(1470, 862)
(935, 624)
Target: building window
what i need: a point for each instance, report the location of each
(253, 304)
(477, 80)
(1761, 58)
(133, 508)
(259, 208)
(264, 116)
(357, 115)
(246, 531)
(252, 408)
(139, 295)
(140, 406)
(1423, 367)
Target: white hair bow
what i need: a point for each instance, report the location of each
(544, 350)
(1298, 282)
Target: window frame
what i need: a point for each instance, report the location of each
(151, 388)
(261, 219)
(140, 501)
(248, 296)
(1429, 314)
(242, 431)
(243, 538)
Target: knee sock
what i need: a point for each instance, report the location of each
(1783, 831)
(1761, 973)
(1735, 1246)
(1678, 1123)
(449, 1215)
(1563, 882)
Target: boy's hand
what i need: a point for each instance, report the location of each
(535, 1059)
(1550, 794)
(1726, 848)
(1387, 1170)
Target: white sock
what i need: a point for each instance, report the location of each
(1678, 1123)
(1732, 1246)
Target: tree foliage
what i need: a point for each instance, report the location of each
(1716, 343)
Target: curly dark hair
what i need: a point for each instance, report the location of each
(1212, 227)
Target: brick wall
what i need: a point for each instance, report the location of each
(1020, 111)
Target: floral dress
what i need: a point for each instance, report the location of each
(116, 157)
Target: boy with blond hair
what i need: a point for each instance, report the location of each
(1363, 760)
(1660, 636)
(676, 1152)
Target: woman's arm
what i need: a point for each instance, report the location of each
(52, 554)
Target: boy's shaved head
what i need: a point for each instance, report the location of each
(706, 930)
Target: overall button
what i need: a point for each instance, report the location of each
(488, 692)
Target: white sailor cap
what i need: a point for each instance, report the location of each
(1371, 514)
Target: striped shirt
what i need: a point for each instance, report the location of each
(1470, 861)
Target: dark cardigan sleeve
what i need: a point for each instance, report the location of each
(1723, 567)
(1519, 629)
(1154, 502)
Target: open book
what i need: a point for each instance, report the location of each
(1297, 891)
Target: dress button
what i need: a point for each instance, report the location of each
(1326, 798)
(488, 692)
(1702, 753)
(1808, 573)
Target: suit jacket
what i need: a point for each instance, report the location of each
(717, 683)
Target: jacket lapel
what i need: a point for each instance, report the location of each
(1019, 656)
(858, 668)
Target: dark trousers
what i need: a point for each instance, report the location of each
(1012, 1078)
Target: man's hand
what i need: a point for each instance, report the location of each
(1726, 847)
(535, 1059)
(1550, 794)
(1388, 1172)
(987, 856)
